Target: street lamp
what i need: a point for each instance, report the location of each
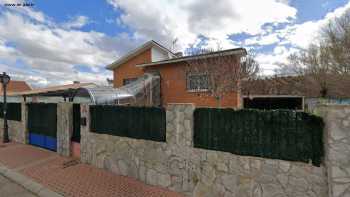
(5, 79)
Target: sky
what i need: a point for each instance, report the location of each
(59, 41)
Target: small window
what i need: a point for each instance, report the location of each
(128, 80)
(197, 82)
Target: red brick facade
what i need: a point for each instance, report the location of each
(173, 82)
(129, 70)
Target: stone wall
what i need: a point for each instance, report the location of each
(17, 129)
(178, 166)
(337, 143)
(64, 128)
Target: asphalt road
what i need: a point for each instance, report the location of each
(11, 189)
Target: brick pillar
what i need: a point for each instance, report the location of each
(64, 128)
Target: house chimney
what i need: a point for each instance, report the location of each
(178, 54)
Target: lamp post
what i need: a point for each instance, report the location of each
(5, 79)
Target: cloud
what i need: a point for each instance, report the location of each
(45, 53)
(34, 47)
(301, 35)
(76, 22)
(263, 40)
(41, 78)
(292, 38)
(166, 20)
(28, 12)
(38, 41)
(284, 1)
(269, 62)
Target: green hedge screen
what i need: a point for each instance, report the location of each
(14, 111)
(277, 134)
(135, 122)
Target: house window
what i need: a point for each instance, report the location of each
(197, 82)
(128, 80)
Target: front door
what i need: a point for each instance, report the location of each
(75, 140)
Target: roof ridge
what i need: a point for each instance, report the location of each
(136, 51)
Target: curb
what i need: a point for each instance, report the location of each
(27, 183)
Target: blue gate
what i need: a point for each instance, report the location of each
(42, 125)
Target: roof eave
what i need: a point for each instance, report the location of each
(110, 66)
(240, 51)
(50, 89)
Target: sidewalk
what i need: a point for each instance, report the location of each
(10, 189)
(71, 178)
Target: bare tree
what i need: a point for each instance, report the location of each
(313, 65)
(321, 77)
(325, 64)
(249, 67)
(217, 72)
(336, 36)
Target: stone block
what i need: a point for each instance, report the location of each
(208, 173)
(222, 167)
(212, 157)
(164, 180)
(202, 190)
(284, 166)
(230, 182)
(142, 173)
(299, 184)
(282, 179)
(266, 179)
(339, 190)
(151, 177)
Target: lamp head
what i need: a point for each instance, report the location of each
(4, 78)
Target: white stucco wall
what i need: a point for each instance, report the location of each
(159, 55)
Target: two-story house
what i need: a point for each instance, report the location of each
(175, 85)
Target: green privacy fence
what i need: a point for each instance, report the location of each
(135, 122)
(14, 111)
(278, 134)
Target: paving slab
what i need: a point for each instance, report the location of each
(86, 180)
(16, 155)
(45, 174)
